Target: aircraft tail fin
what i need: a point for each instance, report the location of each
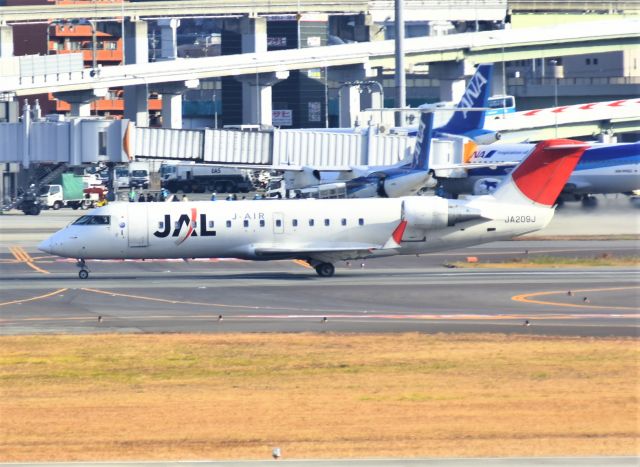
(542, 175)
(476, 95)
(422, 149)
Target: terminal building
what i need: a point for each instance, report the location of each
(320, 97)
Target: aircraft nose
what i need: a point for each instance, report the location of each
(46, 246)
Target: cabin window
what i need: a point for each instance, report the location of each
(491, 229)
(361, 221)
(327, 222)
(177, 225)
(228, 223)
(311, 222)
(261, 222)
(343, 221)
(245, 223)
(278, 223)
(194, 224)
(160, 225)
(294, 222)
(210, 224)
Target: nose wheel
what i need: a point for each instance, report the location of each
(83, 273)
(325, 269)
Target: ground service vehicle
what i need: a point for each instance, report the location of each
(139, 175)
(68, 192)
(199, 178)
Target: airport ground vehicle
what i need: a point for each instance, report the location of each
(199, 178)
(121, 175)
(139, 175)
(68, 191)
(322, 232)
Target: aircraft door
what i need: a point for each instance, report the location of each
(138, 228)
(278, 223)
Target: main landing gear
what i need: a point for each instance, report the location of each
(325, 269)
(83, 273)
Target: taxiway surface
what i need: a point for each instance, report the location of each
(42, 294)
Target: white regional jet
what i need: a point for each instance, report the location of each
(322, 232)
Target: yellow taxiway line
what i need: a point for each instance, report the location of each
(23, 257)
(39, 297)
(526, 298)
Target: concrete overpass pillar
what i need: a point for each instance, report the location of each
(499, 79)
(81, 100)
(168, 39)
(6, 41)
(350, 92)
(452, 78)
(136, 51)
(257, 94)
(172, 101)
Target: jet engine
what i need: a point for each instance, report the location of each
(487, 138)
(432, 213)
(301, 179)
(485, 186)
(405, 185)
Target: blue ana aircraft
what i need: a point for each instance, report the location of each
(603, 169)
(322, 232)
(404, 178)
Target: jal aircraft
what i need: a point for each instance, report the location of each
(322, 232)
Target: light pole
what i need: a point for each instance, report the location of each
(558, 72)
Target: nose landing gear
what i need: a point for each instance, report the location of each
(83, 273)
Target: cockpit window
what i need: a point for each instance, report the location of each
(93, 220)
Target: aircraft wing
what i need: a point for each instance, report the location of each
(291, 168)
(475, 165)
(325, 253)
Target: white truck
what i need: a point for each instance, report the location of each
(69, 191)
(191, 177)
(139, 175)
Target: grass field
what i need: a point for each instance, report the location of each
(175, 396)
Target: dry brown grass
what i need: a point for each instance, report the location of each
(315, 395)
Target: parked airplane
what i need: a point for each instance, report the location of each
(400, 179)
(603, 169)
(322, 232)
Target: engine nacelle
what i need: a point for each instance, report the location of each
(295, 180)
(408, 184)
(432, 213)
(485, 186)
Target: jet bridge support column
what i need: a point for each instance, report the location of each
(172, 101)
(452, 78)
(257, 96)
(81, 100)
(6, 40)
(136, 52)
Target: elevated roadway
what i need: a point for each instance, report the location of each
(380, 10)
(478, 47)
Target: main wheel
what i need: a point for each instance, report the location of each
(83, 274)
(325, 269)
(589, 202)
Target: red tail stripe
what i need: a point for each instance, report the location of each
(542, 176)
(399, 232)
